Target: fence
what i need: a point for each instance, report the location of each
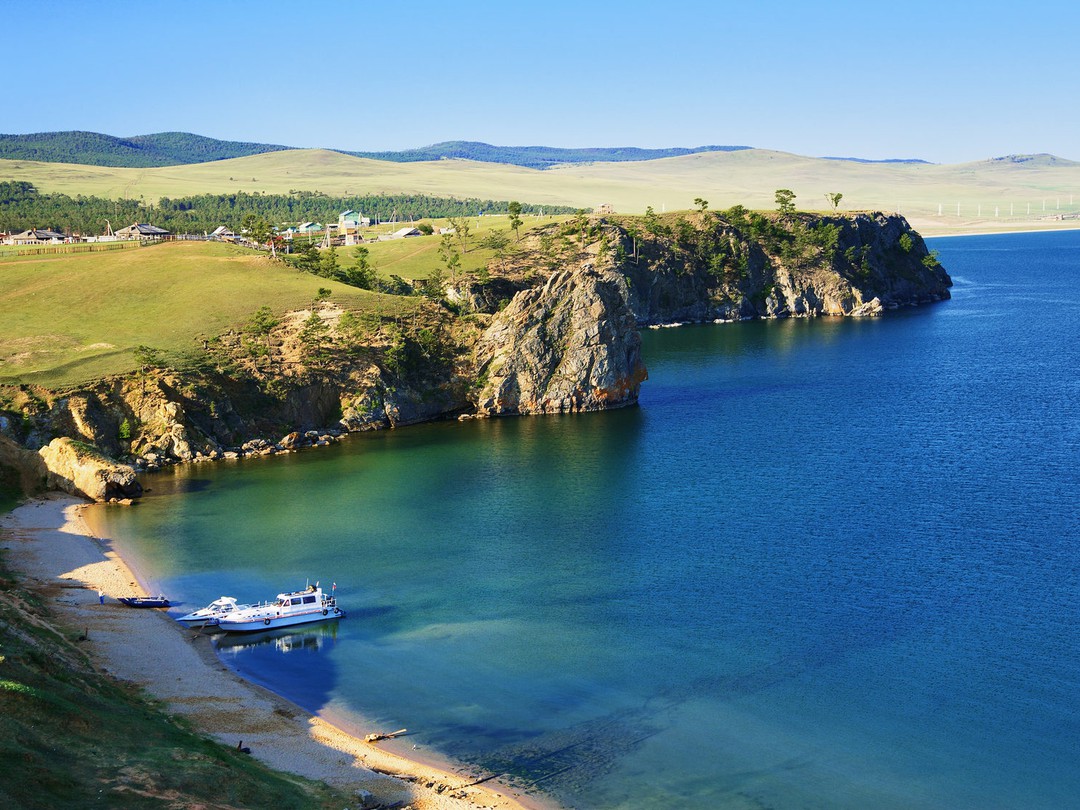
(9, 252)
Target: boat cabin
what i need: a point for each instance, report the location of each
(296, 599)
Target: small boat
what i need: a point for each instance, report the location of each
(294, 607)
(215, 610)
(144, 601)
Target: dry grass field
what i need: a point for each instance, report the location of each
(991, 194)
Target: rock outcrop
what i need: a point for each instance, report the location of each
(570, 345)
(80, 470)
(803, 266)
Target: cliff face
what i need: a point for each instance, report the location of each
(712, 268)
(570, 345)
(567, 340)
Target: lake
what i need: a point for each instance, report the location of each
(828, 563)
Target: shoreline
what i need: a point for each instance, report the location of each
(931, 233)
(53, 550)
(998, 233)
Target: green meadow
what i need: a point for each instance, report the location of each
(72, 318)
(416, 257)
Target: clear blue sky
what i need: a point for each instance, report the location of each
(944, 81)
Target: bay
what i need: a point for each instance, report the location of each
(823, 563)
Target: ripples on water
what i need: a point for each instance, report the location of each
(823, 564)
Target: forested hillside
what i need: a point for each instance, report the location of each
(141, 151)
(22, 207)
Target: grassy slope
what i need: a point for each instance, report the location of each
(71, 318)
(416, 257)
(70, 737)
(746, 177)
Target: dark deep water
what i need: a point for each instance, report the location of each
(825, 563)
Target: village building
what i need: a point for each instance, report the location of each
(141, 230)
(310, 227)
(605, 208)
(352, 220)
(36, 236)
(349, 225)
(222, 233)
(405, 233)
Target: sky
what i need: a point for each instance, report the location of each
(947, 81)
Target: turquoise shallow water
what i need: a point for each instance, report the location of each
(823, 564)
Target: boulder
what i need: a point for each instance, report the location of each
(82, 470)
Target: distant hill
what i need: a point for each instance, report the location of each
(183, 148)
(886, 160)
(1040, 160)
(140, 151)
(534, 157)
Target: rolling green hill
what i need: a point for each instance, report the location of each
(70, 318)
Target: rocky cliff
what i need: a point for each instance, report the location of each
(551, 329)
(570, 345)
(741, 265)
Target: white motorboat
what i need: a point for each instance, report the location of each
(295, 607)
(215, 610)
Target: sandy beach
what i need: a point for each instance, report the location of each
(51, 546)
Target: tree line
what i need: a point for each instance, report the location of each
(22, 206)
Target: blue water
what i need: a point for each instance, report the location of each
(823, 564)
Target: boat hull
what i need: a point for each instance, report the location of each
(216, 610)
(144, 602)
(268, 621)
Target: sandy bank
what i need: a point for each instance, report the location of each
(50, 545)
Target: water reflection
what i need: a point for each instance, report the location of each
(313, 639)
(298, 663)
